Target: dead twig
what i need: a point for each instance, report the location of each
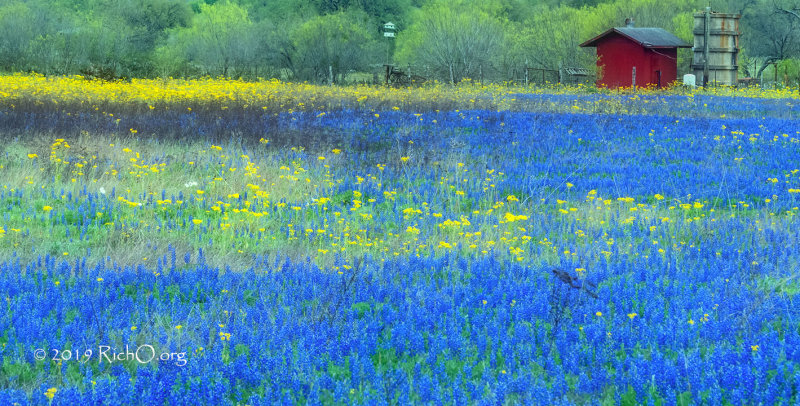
(574, 282)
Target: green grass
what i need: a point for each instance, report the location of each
(266, 203)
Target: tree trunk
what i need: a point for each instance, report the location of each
(764, 66)
(452, 77)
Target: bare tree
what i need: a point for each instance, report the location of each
(770, 33)
(794, 12)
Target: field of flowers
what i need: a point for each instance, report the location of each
(217, 242)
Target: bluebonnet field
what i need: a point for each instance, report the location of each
(467, 257)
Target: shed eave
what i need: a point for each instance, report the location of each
(666, 46)
(593, 42)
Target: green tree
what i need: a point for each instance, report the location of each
(277, 10)
(37, 35)
(220, 41)
(150, 19)
(453, 41)
(383, 11)
(16, 33)
(337, 43)
(549, 40)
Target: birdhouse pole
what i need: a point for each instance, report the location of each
(706, 48)
(389, 30)
(526, 72)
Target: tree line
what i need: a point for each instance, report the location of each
(343, 41)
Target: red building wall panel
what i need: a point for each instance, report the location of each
(617, 56)
(666, 62)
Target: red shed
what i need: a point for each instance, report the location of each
(653, 51)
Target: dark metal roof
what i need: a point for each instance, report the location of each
(646, 37)
(576, 71)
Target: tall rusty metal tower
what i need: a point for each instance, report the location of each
(716, 48)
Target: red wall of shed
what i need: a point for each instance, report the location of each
(617, 55)
(666, 61)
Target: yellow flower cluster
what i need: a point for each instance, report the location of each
(274, 95)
